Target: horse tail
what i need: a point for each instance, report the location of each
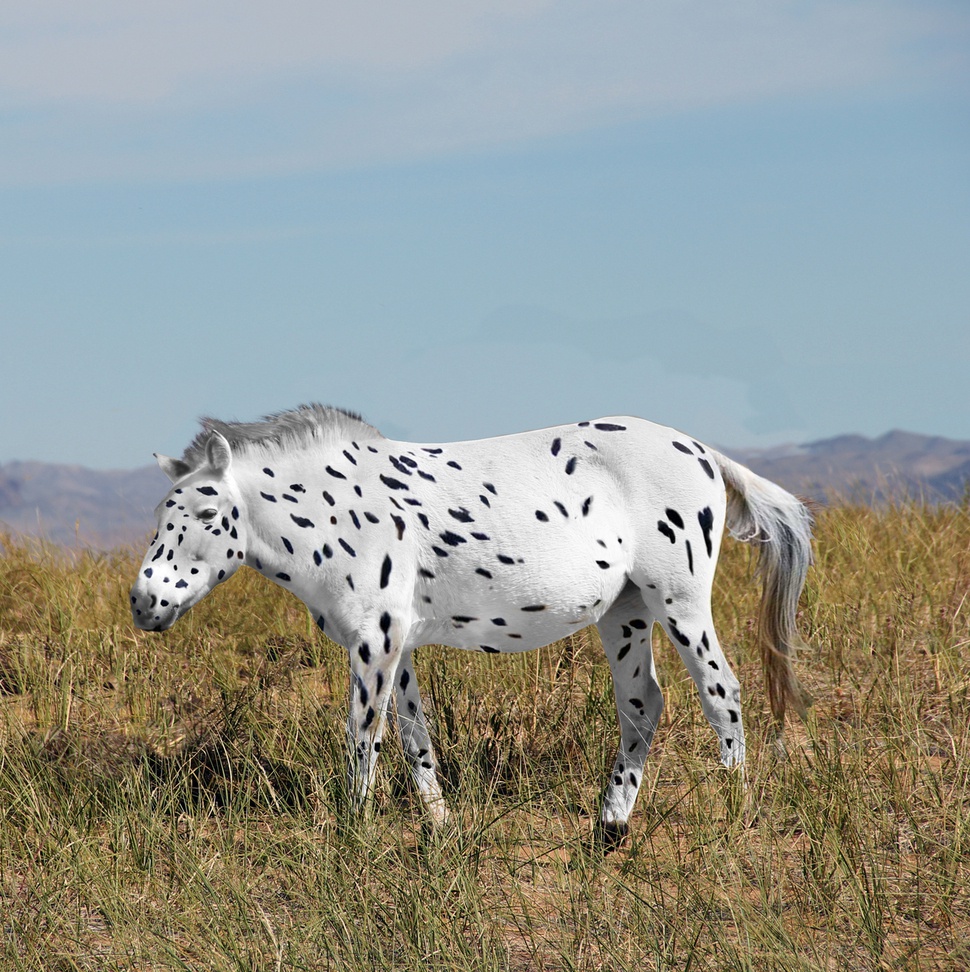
(761, 512)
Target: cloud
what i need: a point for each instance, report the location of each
(195, 89)
(114, 52)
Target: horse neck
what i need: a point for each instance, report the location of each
(266, 521)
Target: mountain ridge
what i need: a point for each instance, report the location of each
(71, 505)
(895, 466)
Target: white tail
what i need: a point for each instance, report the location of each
(761, 512)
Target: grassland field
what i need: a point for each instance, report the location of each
(177, 801)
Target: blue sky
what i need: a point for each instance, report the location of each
(746, 219)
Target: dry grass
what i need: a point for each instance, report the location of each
(176, 801)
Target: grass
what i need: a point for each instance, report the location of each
(176, 801)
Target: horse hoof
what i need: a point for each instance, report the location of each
(612, 834)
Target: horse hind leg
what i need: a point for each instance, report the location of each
(625, 631)
(689, 625)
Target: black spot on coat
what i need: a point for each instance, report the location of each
(677, 633)
(706, 519)
(675, 518)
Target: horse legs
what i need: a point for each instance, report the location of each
(416, 741)
(625, 632)
(690, 627)
(374, 661)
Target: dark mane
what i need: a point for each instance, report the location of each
(301, 426)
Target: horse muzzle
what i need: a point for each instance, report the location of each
(150, 612)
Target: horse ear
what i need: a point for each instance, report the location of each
(218, 453)
(175, 469)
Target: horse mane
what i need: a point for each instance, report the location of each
(302, 426)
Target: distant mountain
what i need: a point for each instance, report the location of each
(75, 506)
(71, 505)
(852, 468)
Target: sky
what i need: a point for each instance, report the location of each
(748, 219)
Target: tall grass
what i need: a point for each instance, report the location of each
(176, 801)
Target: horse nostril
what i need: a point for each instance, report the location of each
(154, 601)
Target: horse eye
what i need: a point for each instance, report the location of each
(207, 515)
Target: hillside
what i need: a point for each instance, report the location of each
(72, 505)
(897, 465)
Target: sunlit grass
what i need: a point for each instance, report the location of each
(176, 801)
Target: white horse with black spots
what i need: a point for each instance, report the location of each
(495, 545)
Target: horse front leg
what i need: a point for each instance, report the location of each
(416, 741)
(374, 662)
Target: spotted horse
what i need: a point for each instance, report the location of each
(496, 545)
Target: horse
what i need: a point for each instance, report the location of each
(501, 544)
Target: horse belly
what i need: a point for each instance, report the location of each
(518, 609)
